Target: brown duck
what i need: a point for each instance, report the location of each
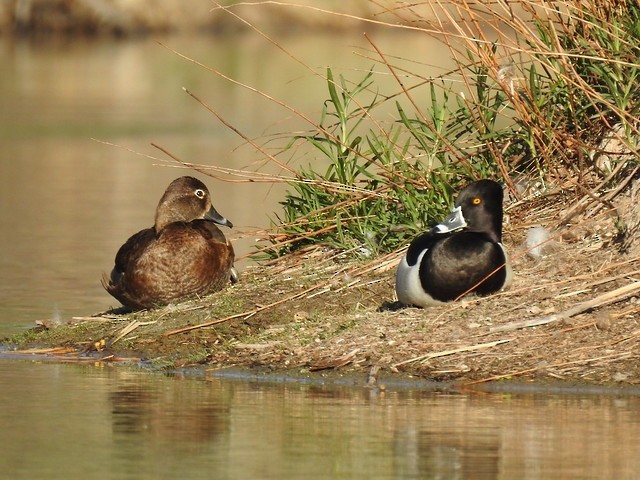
(183, 255)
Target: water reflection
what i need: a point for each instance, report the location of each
(185, 413)
(83, 421)
(451, 454)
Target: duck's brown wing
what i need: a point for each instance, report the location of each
(124, 262)
(184, 260)
(131, 250)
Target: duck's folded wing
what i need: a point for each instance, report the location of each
(132, 249)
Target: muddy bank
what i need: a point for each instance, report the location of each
(572, 315)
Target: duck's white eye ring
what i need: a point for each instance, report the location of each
(199, 193)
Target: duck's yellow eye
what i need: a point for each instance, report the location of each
(476, 201)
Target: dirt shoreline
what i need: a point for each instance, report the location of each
(401, 382)
(572, 316)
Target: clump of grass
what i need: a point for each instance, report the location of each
(592, 73)
(541, 89)
(371, 189)
(574, 83)
(380, 186)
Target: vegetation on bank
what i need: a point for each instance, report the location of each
(543, 99)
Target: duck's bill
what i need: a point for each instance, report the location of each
(454, 221)
(213, 215)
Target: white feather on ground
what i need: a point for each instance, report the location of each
(538, 241)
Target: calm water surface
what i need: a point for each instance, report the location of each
(68, 202)
(78, 422)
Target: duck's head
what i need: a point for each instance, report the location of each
(478, 208)
(186, 199)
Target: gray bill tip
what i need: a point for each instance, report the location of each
(454, 221)
(213, 215)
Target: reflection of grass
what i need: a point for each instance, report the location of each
(535, 103)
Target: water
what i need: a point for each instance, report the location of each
(68, 202)
(97, 421)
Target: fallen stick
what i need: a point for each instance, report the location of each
(130, 327)
(337, 363)
(615, 356)
(444, 353)
(96, 318)
(601, 300)
(41, 351)
(214, 322)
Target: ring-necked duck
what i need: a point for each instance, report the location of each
(463, 254)
(184, 254)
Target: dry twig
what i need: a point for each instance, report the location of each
(614, 356)
(337, 363)
(444, 353)
(601, 300)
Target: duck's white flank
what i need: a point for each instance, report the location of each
(408, 285)
(509, 278)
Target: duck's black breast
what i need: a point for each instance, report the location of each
(421, 243)
(463, 262)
